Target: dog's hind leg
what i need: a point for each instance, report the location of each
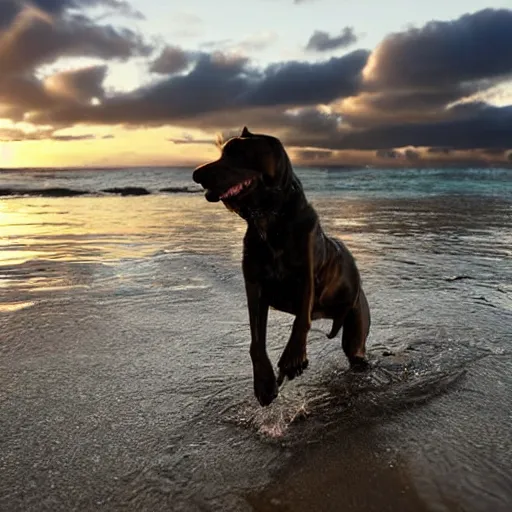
(355, 331)
(337, 324)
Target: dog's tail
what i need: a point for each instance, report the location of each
(337, 324)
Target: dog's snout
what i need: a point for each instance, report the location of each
(202, 172)
(196, 176)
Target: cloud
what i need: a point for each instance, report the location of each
(54, 7)
(391, 154)
(65, 30)
(322, 42)
(312, 155)
(38, 32)
(9, 9)
(80, 85)
(252, 43)
(33, 41)
(257, 42)
(305, 83)
(218, 83)
(19, 135)
(475, 126)
(416, 75)
(420, 88)
(473, 47)
(172, 60)
(190, 140)
(70, 138)
(23, 92)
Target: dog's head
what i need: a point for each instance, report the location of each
(251, 170)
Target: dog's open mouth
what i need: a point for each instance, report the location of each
(231, 192)
(237, 189)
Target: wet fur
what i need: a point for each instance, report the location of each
(289, 263)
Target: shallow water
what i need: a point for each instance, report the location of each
(125, 378)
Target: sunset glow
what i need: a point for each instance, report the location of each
(109, 83)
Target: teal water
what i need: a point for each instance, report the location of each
(383, 183)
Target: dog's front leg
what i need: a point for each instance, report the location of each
(294, 359)
(265, 386)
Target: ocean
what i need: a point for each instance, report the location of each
(125, 376)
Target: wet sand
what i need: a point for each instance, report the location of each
(99, 412)
(349, 474)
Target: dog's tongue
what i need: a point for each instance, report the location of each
(212, 196)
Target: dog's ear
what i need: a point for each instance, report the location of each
(245, 132)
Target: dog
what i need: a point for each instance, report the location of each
(288, 262)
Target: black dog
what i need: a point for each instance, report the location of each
(288, 262)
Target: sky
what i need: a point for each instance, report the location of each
(115, 83)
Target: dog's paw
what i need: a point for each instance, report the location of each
(359, 364)
(265, 387)
(291, 365)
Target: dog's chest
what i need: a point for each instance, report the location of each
(278, 258)
(275, 267)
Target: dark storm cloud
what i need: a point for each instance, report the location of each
(38, 41)
(172, 60)
(321, 41)
(399, 100)
(81, 85)
(212, 85)
(305, 83)
(478, 126)
(9, 9)
(471, 126)
(473, 47)
(395, 106)
(23, 92)
(29, 39)
(58, 6)
(413, 76)
(220, 83)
